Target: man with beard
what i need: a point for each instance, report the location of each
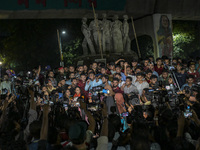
(52, 79)
(116, 87)
(128, 87)
(80, 71)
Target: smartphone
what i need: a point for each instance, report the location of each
(125, 114)
(77, 104)
(151, 90)
(92, 107)
(167, 87)
(41, 108)
(60, 95)
(65, 106)
(187, 112)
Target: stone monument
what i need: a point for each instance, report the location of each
(116, 31)
(95, 33)
(87, 38)
(125, 34)
(106, 33)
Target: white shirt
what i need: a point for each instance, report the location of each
(120, 84)
(141, 86)
(5, 85)
(133, 78)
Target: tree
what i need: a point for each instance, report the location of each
(185, 38)
(71, 50)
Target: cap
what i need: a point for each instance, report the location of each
(60, 68)
(78, 130)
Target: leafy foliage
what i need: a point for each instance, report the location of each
(185, 38)
(71, 50)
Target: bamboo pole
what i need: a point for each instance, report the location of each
(60, 46)
(99, 35)
(136, 38)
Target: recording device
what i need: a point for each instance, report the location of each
(167, 87)
(60, 95)
(125, 114)
(188, 112)
(92, 107)
(65, 107)
(133, 99)
(100, 89)
(4, 90)
(171, 68)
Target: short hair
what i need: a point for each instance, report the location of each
(118, 66)
(118, 74)
(129, 78)
(153, 77)
(83, 74)
(128, 67)
(146, 59)
(157, 59)
(191, 76)
(164, 57)
(139, 67)
(80, 66)
(151, 63)
(116, 79)
(103, 67)
(35, 128)
(134, 60)
(148, 71)
(165, 70)
(140, 74)
(105, 76)
(92, 72)
(71, 66)
(71, 73)
(73, 79)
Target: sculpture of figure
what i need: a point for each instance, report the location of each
(125, 32)
(117, 35)
(106, 33)
(87, 38)
(93, 27)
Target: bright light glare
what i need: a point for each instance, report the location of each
(0, 63)
(63, 32)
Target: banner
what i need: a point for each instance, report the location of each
(16, 5)
(163, 34)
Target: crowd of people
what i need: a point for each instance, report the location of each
(144, 104)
